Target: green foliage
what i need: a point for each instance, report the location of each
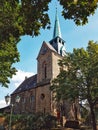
(34, 16)
(78, 78)
(23, 18)
(27, 17)
(17, 19)
(8, 56)
(78, 10)
(9, 37)
(79, 72)
(38, 121)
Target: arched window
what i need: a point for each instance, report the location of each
(42, 96)
(32, 99)
(44, 70)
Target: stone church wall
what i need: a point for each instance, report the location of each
(43, 99)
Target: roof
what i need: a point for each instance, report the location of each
(5, 109)
(27, 84)
(50, 47)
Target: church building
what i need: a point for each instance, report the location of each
(34, 92)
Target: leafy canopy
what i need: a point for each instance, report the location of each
(27, 17)
(17, 19)
(78, 76)
(78, 10)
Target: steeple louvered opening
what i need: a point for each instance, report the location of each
(57, 42)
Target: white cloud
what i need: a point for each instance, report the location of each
(15, 82)
(20, 76)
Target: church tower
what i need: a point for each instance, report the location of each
(57, 42)
(35, 91)
(47, 68)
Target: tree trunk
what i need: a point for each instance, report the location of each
(93, 117)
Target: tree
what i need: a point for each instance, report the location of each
(9, 37)
(27, 17)
(78, 78)
(78, 10)
(8, 55)
(17, 19)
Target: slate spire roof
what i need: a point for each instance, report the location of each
(57, 42)
(57, 30)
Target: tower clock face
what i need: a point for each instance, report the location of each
(44, 50)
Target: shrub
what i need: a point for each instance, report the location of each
(38, 121)
(72, 124)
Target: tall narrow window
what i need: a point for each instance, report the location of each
(44, 70)
(31, 98)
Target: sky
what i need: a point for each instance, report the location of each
(73, 35)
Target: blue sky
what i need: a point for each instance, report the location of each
(75, 37)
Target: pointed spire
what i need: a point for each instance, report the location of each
(57, 42)
(57, 31)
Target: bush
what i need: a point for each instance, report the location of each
(72, 124)
(38, 121)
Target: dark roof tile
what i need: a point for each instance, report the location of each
(27, 84)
